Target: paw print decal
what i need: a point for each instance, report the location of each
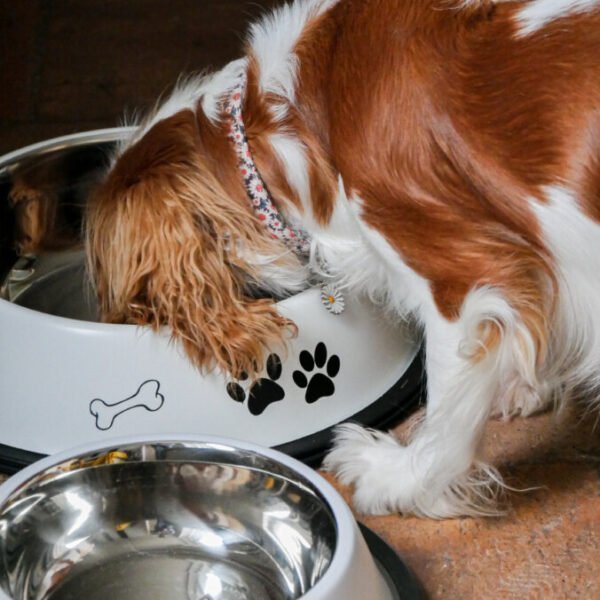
(263, 391)
(320, 384)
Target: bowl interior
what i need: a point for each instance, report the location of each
(169, 520)
(43, 194)
(42, 201)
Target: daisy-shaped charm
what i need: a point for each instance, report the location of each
(332, 299)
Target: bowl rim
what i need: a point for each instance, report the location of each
(345, 524)
(11, 159)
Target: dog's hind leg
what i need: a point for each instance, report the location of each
(488, 352)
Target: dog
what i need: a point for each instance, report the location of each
(441, 157)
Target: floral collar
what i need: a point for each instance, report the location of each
(296, 240)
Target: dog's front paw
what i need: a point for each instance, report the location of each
(391, 478)
(361, 457)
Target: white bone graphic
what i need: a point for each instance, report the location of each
(146, 397)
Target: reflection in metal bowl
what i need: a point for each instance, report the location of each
(180, 520)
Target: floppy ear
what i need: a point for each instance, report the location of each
(164, 245)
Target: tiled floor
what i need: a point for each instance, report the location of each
(69, 65)
(547, 546)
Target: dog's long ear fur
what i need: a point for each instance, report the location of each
(164, 244)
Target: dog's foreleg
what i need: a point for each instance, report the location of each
(438, 473)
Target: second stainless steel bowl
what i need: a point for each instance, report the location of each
(179, 520)
(174, 521)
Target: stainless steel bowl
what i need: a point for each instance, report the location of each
(187, 519)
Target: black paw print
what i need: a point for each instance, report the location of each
(263, 391)
(320, 385)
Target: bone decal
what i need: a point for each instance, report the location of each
(147, 397)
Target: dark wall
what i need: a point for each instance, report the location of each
(71, 65)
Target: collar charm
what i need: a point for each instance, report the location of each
(332, 299)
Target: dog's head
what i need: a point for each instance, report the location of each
(172, 241)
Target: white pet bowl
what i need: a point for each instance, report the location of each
(185, 518)
(66, 381)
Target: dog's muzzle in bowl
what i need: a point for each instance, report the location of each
(189, 519)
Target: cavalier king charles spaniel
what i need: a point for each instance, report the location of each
(441, 157)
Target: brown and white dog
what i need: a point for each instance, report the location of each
(443, 156)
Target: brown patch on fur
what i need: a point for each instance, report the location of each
(586, 167)
(591, 188)
(260, 125)
(524, 101)
(323, 181)
(447, 135)
(314, 98)
(165, 240)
